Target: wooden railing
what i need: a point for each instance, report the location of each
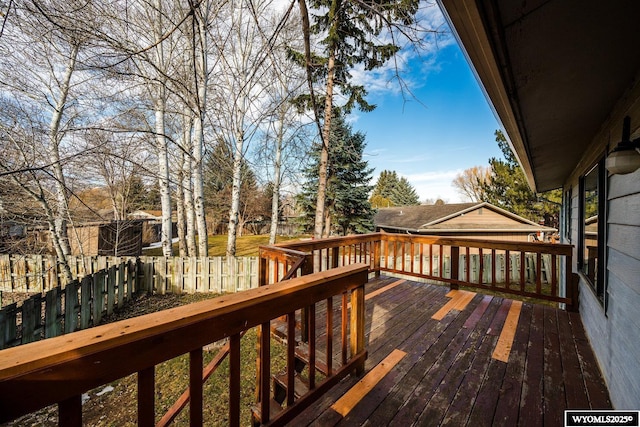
(519, 268)
(59, 370)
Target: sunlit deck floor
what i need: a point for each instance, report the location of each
(448, 375)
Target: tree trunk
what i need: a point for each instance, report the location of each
(324, 153)
(198, 187)
(159, 89)
(235, 194)
(187, 186)
(180, 205)
(202, 74)
(62, 201)
(163, 175)
(277, 165)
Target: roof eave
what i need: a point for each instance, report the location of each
(466, 23)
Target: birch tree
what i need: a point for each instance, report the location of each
(240, 92)
(41, 83)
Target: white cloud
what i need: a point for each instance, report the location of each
(435, 185)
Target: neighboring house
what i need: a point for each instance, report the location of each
(122, 238)
(562, 75)
(476, 220)
(152, 215)
(152, 225)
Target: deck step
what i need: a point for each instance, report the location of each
(301, 387)
(256, 414)
(279, 329)
(302, 360)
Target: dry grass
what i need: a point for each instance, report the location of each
(245, 245)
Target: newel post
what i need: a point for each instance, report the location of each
(357, 325)
(572, 281)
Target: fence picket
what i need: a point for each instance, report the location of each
(71, 307)
(111, 289)
(53, 313)
(103, 284)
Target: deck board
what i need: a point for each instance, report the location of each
(448, 376)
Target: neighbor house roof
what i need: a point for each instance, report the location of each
(451, 218)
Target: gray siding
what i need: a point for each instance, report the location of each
(615, 335)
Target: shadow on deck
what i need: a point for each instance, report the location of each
(447, 373)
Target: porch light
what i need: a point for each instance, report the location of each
(625, 158)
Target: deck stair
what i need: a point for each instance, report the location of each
(301, 382)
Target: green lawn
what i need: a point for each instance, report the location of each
(245, 245)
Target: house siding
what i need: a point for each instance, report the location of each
(614, 332)
(482, 216)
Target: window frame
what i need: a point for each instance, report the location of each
(599, 288)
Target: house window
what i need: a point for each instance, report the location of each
(593, 221)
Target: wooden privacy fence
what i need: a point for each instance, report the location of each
(95, 292)
(79, 305)
(40, 273)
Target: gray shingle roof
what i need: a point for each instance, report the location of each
(433, 217)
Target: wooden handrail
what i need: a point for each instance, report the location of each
(61, 369)
(398, 253)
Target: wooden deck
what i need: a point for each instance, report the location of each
(444, 372)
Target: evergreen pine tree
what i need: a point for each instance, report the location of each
(508, 189)
(348, 207)
(391, 190)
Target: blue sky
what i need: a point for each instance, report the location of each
(449, 128)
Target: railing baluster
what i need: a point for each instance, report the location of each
(146, 397)
(357, 325)
(343, 327)
(234, 380)
(468, 265)
(455, 267)
(522, 270)
(507, 269)
(195, 387)
(312, 346)
(291, 348)
(481, 267)
(554, 275)
(538, 272)
(70, 412)
(430, 259)
(329, 356)
(493, 268)
(413, 255)
(264, 370)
